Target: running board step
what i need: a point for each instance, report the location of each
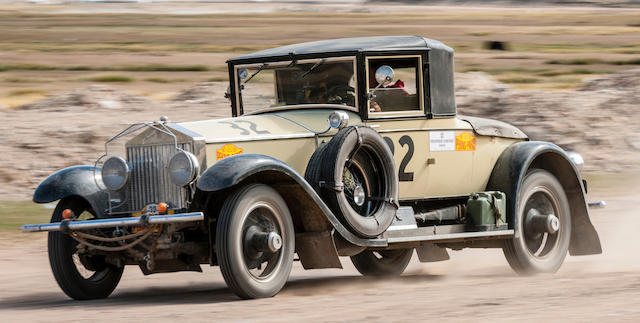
(444, 233)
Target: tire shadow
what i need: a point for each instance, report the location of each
(331, 285)
(203, 294)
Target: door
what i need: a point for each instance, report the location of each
(433, 157)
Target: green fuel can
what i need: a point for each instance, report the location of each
(487, 210)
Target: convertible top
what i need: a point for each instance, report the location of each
(348, 46)
(440, 59)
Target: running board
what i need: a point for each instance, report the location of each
(443, 233)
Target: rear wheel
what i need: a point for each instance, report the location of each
(543, 223)
(80, 277)
(255, 241)
(382, 262)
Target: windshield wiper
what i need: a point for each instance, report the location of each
(312, 69)
(255, 73)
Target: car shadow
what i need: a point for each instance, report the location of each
(202, 293)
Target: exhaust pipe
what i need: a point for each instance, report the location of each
(597, 205)
(144, 220)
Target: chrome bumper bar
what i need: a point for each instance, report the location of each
(114, 222)
(597, 205)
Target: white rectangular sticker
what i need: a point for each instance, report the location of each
(442, 141)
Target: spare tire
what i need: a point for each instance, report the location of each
(355, 175)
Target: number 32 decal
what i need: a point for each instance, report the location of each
(405, 140)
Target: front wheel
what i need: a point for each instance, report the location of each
(382, 262)
(255, 241)
(543, 224)
(80, 277)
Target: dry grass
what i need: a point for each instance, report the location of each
(15, 214)
(166, 51)
(110, 78)
(24, 92)
(15, 101)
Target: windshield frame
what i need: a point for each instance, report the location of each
(238, 108)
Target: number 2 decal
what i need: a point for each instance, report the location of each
(405, 140)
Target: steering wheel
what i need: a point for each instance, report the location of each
(341, 94)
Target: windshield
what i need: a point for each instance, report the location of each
(321, 81)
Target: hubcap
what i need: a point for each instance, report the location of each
(274, 242)
(262, 243)
(358, 195)
(541, 223)
(363, 183)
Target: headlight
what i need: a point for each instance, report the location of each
(338, 119)
(577, 160)
(183, 168)
(115, 173)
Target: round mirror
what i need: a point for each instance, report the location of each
(384, 75)
(243, 73)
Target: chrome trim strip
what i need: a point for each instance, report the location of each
(115, 222)
(302, 106)
(402, 227)
(502, 234)
(311, 135)
(260, 138)
(422, 129)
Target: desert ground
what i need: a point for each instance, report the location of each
(73, 74)
(475, 285)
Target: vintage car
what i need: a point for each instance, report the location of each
(348, 147)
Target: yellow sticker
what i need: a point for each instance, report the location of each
(465, 142)
(227, 150)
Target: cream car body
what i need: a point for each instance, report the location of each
(347, 147)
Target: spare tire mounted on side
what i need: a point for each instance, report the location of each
(355, 175)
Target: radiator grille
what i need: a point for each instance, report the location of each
(149, 179)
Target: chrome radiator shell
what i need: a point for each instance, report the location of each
(149, 179)
(148, 154)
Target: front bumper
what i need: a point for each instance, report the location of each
(144, 220)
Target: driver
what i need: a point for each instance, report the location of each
(373, 84)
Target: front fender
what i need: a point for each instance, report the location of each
(236, 169)
(73, 181)
(510, 170)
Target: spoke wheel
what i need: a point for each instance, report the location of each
(255, 241)
(543, 224)
(81, 277)
(362, 183)
(354, 173)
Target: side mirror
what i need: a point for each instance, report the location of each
(384, 75)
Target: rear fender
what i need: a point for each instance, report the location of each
(73, 181)
(510, 170)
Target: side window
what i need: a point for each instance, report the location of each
(399, 93)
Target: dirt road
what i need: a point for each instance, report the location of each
(474, 285)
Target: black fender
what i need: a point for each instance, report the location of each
(73, 181)
(234, 170)
(510, 170)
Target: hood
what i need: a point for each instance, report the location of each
(267, 126)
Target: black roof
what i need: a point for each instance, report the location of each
(349, 46)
